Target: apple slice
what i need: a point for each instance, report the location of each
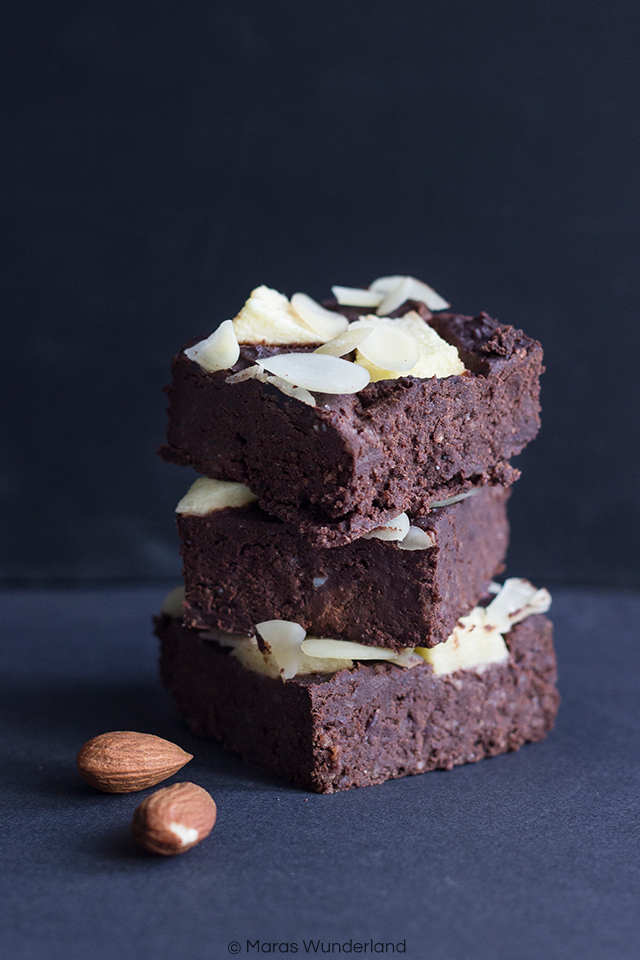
(267, 317)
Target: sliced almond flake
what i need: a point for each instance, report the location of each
(322, 665)
(254, 372)
(395, 297)
(417, 539)
(345, 343)
(275, 632)
(219, 351)
(385, 285)
(408, 288)
(284, 639)
(172, 603)
(516, 600)
(356, 297)
(206, 495)
(388, 346)
(327, 324)
(318, 372)
(248, 373)
(245, 649)
(423, 293)
(396, 529)
(345, 649)
(408, 658)
(458, 497)
(298, 393)
(285, 651)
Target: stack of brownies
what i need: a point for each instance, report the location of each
(339, 623)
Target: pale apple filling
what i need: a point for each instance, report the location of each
(477, 640)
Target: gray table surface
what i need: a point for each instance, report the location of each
(529, 855)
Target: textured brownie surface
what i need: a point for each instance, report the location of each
(242, 566)
(368, 724)
(352, 462)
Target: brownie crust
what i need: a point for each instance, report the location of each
(369, 724)
(353, 462)
(242, 566)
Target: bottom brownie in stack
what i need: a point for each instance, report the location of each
(328, 723)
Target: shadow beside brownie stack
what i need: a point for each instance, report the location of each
(339, 624)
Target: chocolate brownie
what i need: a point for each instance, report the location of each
(367, 724)
(352, 462)
(242, 566)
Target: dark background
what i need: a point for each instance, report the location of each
(163, 159)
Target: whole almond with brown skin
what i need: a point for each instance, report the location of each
(123, 761)
(174, 819)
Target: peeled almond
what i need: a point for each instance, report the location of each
(396, 529)
(355, 297)
(387, 346)
(325, 323)
(219, 351)
(344, 343)
(318, 372)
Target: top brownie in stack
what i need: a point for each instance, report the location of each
(353, 461)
